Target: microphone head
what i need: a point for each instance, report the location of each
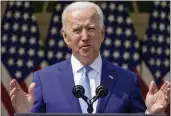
(78, 91)
(101, 91)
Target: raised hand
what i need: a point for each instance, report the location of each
(21, 101)
(156, 102)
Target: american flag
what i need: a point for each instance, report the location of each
(121, 45)
(21, 50)
(156, 48)
(55, 47)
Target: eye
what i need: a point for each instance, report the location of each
(91, 28)
(77, 31)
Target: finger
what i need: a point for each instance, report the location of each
(31, 89)
(15, 84)
(13, 92)
(167, 97)
(168, 85)
(168, 94)
(12, 84)
(152, 87)
(163, 86)
(13, 99)
(14, 104)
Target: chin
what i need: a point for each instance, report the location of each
(85, 58)
(86, 54)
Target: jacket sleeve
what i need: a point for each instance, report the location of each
(39, 105)
(137, 101)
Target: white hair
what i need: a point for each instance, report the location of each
(82, 5)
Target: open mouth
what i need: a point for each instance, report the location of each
(87, 46)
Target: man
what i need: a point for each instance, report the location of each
(51, 91)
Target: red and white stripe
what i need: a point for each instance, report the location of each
(5, 92)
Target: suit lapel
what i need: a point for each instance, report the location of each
(108, 78)
(67, 82)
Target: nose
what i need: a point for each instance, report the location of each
(85, 35)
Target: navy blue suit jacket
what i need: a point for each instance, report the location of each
(53, 91)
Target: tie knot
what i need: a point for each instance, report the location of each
(87, 68)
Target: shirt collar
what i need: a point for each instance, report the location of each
(76, 65)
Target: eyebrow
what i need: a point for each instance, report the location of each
(78, 26)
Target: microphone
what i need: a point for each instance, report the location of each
(101, 92)
(79, 91)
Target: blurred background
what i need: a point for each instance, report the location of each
(137, 38)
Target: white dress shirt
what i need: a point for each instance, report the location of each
(94, 75)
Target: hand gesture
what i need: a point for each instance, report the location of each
(21, 101)
(156, 102)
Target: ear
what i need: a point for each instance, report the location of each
(103, 33)
(65, 37)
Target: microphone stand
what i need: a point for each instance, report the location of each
(98, 95)
(78, 91)
(89, 104)
(90, 107)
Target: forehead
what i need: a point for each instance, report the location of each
(82, 16)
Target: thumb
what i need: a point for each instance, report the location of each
(31, 89)
(152, 87)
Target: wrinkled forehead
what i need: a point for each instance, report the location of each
(83, 16)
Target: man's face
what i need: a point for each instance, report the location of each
(83, 34)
